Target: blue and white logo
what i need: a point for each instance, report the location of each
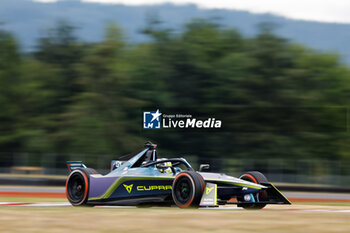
(151, 120)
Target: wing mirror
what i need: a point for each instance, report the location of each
(204, 167)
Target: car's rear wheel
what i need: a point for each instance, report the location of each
(77, 187)
(187, 189)
(257, 178)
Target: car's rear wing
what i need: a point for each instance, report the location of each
(72, 165)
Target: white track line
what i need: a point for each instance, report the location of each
(323, 210)
(52, 204)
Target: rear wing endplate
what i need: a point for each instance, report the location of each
(72, 165)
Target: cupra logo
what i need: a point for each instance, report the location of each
(208, 190)
(128, 187)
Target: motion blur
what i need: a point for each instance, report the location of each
(73, 100)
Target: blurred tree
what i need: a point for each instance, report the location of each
(60, 47)
(99, 122)
(38, 111)
(87, 97)
(60, 50)
(9, 79)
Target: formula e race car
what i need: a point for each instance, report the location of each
(141, 179)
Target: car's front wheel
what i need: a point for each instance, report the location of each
(258, 178)
(187, 189)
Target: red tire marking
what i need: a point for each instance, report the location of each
(182, 174)
(251, 177)
(67, 195)
(202, 182)
(86, 185)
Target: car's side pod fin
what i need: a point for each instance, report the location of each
(72, 165)
(275, 195)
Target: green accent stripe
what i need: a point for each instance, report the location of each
(123, 179)
(281, 193)
(233, 183)
(216, 195)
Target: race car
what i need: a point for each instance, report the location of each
(141, 179)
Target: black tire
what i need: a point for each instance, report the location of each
(77, 186)
(258, 178)
(188, 189)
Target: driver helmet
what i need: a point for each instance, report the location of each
(168, 170)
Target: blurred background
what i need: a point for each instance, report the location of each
(75, 77)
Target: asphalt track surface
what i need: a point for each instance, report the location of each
(298, 208)
(59, 192)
